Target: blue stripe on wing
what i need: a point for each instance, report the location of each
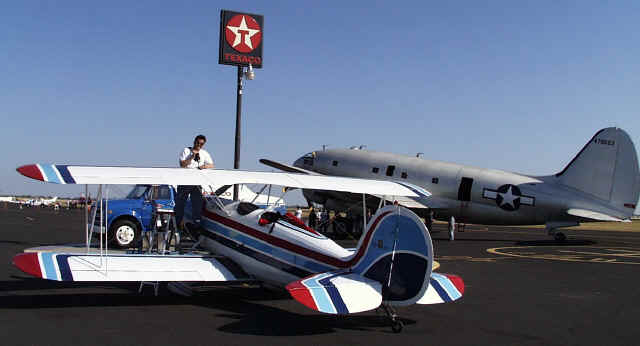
(334, 294)
(64, 172)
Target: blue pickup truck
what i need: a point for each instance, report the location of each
(127, 218)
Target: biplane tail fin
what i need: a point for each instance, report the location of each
(392, 264)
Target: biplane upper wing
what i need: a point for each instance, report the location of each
(68, 174)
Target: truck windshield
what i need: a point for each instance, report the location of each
(138, 191)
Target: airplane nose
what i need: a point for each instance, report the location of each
(299, 162)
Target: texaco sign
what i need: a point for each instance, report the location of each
(241, 38)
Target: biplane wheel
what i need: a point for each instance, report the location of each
(124, 234)
(397, 325)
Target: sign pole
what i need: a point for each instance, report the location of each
(240, 45)
(236, 161)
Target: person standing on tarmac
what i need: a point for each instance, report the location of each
(192, 158)
(312, 218)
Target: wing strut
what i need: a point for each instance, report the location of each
(364, 213)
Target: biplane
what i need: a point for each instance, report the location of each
(390, 267)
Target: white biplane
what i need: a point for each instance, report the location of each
(390, 267)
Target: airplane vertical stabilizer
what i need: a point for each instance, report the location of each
(607, 168)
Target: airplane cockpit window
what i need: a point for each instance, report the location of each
(390, 170)
(375, 170)
(245, 208)
(334, 163)
(308, 159)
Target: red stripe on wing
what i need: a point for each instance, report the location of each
(457, 281)
(28, 263)
(301, 293)
(31, 171)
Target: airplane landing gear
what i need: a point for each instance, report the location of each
(560, 237)
(396, 323)
(452, 228)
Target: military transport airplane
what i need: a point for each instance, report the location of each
(601, 183)
(391, 266)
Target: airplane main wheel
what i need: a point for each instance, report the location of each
(124, 234)
(560, 237)
(396, 326)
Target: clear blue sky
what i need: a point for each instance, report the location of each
(515, 85)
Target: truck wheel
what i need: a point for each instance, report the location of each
(124, 234)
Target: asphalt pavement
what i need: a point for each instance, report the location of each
(521, 288)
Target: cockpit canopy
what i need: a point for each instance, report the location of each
(308, 158)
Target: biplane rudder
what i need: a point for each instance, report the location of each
(396, 251)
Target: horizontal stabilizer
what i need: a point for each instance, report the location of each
(124, 267)
(443, 288)
(594, 215)
(337, 292)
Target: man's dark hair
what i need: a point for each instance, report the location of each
(199, 137)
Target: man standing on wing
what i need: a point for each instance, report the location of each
(192, 158)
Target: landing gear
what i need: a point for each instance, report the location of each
(396, 323)
(560, 237)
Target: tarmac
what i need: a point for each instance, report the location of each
(521, 288)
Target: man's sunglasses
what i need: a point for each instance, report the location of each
(201, 143)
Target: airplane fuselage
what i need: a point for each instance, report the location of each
(277, 253)
(470, 194)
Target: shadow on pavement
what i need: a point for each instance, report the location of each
(250, 308)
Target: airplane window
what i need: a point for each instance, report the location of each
(404, 175)
(308, 159)
(434, 180)
(334, 163)
(390, 170)
(375, 170)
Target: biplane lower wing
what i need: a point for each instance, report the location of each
(127, 267)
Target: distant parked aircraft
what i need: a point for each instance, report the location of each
(601, 183)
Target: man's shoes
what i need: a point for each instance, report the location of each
(193, 230)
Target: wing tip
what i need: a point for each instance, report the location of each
(457, 282)
(31, 171)
(28, 263)
(302, 294)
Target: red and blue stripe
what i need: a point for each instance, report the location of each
(58, 174)
(449, 287)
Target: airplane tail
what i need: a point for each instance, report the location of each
(607, 168)
(396, 251)
(392, 264)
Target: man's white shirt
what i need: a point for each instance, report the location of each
(205, 158)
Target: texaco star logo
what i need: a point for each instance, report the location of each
(243, 33)
(508, 197)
